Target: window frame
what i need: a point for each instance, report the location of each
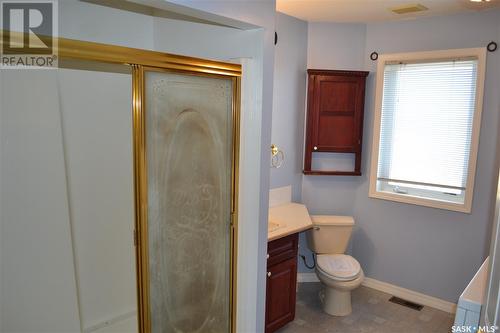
(421, 57)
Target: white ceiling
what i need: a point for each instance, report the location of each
(373, 10)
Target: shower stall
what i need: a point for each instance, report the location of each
(149, 144)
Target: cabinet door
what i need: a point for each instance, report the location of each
(336, 111)
(280, 294)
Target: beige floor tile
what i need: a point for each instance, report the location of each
(372, 313)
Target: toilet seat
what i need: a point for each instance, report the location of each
(340, 267)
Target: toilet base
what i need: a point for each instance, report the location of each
(336, 302)
(336, 295)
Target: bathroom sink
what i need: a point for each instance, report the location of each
(273, 226)
(287, 219)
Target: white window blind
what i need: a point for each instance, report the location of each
(426, 127)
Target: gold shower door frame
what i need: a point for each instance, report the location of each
(141, 190)
(140, 60)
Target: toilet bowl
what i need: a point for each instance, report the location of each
(338, 273)
(336, 294)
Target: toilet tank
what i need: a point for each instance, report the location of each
(330, 234)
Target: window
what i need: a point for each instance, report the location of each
(426, 131)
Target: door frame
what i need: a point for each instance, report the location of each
(490, 299)
(138, 60)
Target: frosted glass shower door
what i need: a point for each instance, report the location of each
(189, 163)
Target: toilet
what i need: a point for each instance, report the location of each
(339, 273)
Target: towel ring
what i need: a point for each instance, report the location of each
(277, 157)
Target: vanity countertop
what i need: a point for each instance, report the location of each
(287, 219)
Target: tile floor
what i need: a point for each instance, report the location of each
(372, 313)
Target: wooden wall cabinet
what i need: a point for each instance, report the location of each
(281, 282)
(335, 107)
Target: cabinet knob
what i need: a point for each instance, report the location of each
(267, 257)
(315, 148)
(268, 274)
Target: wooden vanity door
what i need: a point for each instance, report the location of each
(281, 282)
(281, 294)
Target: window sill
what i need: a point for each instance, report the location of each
(413, 200)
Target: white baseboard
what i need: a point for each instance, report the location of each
(410, 295)
(388, 288)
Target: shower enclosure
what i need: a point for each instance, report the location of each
(185, 133)
(186, 129)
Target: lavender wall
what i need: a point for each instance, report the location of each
(428, 250)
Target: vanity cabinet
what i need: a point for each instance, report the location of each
(281, 282)
(335, 106)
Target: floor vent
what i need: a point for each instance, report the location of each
(406, 303)
(406, 9)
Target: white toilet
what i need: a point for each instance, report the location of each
(339, 273)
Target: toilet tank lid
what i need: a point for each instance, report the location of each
(332, 220)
